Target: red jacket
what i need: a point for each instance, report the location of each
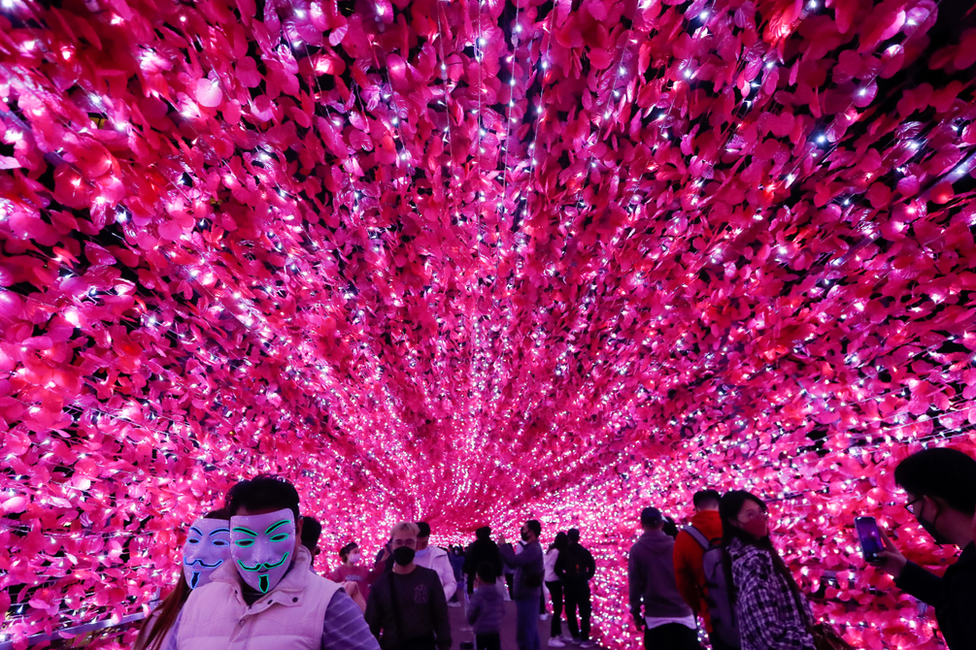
(688, 570)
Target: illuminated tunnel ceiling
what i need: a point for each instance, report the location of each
(470, 261)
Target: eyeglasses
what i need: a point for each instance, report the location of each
(755, 514)
(910, 506)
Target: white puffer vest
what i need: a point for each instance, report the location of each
(289, 617)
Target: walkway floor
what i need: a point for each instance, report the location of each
(461, 631)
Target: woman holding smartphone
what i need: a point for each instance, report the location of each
(772, 614)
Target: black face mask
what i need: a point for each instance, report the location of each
(929, 527)
(403, 555)
(525, 536)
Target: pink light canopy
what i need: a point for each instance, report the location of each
(472, 261)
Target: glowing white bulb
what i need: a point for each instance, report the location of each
(481, 41)
(821, 139)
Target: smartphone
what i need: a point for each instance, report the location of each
(870, 537)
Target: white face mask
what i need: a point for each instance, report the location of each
(354, 558)
(207, 547)
(263, 546)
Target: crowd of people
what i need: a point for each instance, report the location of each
(249, 580)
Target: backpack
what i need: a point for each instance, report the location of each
(721, 607)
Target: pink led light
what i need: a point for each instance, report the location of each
(240, 249)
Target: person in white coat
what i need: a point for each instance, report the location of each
(433, 557)
(266, 597)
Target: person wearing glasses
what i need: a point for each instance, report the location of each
(772, 613)
(941, 494)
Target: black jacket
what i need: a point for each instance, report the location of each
(575, 564)
(953, 596)
(481, 550)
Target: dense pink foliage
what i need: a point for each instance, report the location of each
(470, 261)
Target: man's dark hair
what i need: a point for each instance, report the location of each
(262, 492)
(534, 526)
(573, 534)
(424, 529)
(942, 472)
(483, 533)
(311, 530)
(704, 498)
(486, 571)
(651, 516)
(670, 528)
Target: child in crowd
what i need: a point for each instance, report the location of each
(486, 608)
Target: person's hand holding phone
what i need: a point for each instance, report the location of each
(890, 559)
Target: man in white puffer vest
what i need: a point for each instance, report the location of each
(267, 597)
(434, 557)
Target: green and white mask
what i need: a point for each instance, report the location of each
(263, 547)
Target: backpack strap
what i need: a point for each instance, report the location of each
(697, 536)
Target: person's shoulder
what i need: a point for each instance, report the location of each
(424, 572)
(749, 555)
(210, 590)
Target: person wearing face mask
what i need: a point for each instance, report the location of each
(351, 569)
(406, 609)
(266, 596)
(207, 547)
(433, 557)
(527, 587)
(941, 494)
(771, 612)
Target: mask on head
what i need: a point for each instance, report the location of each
(525, 536)
(757, 527)
(263, 547)
(403, 555)
(354, 558)
(207, 546)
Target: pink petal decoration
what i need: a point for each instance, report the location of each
(475, 262)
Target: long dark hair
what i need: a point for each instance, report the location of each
(728, 509)
(151, 635)
(560, 543)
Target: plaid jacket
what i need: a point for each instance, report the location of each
(769, 616)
